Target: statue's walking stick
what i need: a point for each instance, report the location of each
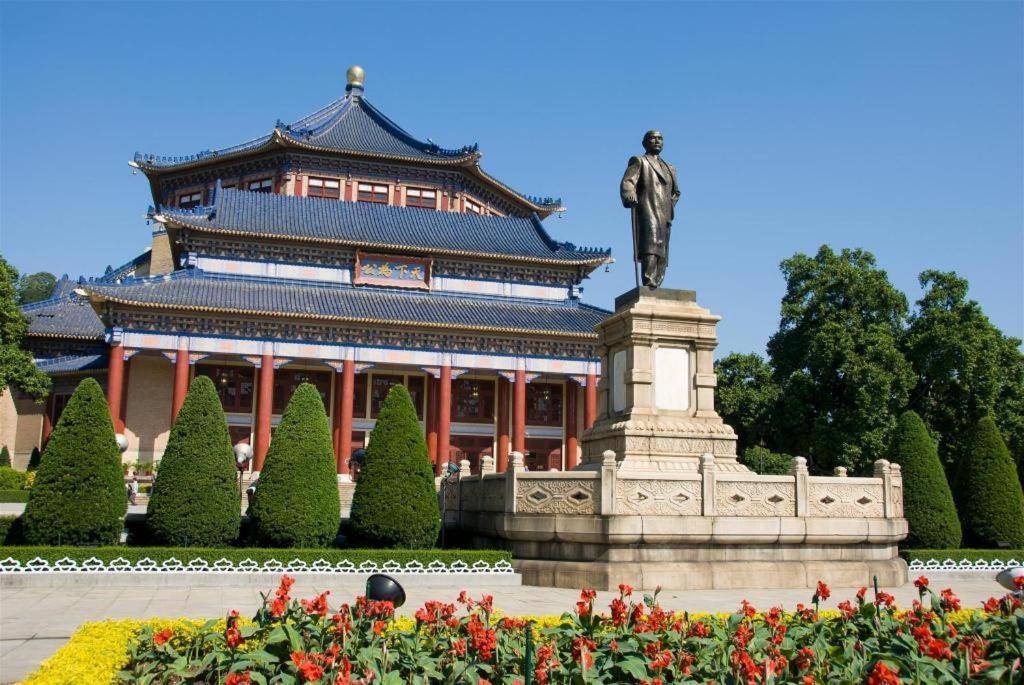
(636, 257)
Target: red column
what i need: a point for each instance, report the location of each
(396, 197)
(115, 380)
(519, 413)
(432, 423)
(444, 415)
(264, 404)
(348, 384)
(572, 442)
(180, 382)
(124, 392)
(590, 401)
(47, 422)
(336, 420)
(297, 187)
(502, 425)
(349, 192)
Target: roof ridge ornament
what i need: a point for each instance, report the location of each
(356, 76)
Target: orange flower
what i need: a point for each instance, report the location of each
(823, 592)
(882, 675)
(163, 636)
(238, 679)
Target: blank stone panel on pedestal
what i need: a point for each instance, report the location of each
(672, 378)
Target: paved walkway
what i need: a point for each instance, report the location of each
(34, 622)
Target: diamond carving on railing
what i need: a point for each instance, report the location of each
(865, 500)
(638, 497)
(776, 498)
(737, 497)
(680, 498)
(579, 496)
(828, 499)
(539, 496)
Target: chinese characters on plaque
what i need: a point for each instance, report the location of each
(399, 272)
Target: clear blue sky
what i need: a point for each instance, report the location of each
(896, 127)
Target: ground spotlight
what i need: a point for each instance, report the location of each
(382, 588)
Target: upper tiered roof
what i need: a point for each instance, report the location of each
(349, 126)
(380, 227)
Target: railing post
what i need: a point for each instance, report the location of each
(609, 473)
(486, 464)
(511, 475)
(799, 472)
(707, 487)
(883, 470)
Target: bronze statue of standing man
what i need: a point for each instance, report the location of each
(650, 189)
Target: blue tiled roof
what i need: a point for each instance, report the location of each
(377, 226)
(349, 124)
(65, 316)
(196, 290)
(72, 363)
(126, 270)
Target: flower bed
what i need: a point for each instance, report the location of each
(288, 641)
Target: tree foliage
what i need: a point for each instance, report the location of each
(395, 502)
(296, 502)
(762, 460)
(837, 359)
(966, 368)
(195, 499)
(927, 499)
(747, 397)
(79, 494)
(5, 457)
(17, 369)
(989, 495)
(35, 287)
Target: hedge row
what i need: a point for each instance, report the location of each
(257, 554)
(968, 554)
(14, 495)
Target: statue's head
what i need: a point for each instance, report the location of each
(653, 142)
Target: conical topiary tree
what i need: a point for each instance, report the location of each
(195, 499)
(395, 502)
(5, 457)
(296, 502)
(79, 495)
(988, 493)
(33, 459)
(927, 500)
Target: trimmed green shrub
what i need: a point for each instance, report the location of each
(395, 502)
(11, 479)
(989, 495)
(927, 500)
(765, 462)
(14, 496)
(33, 459)
(296, 502)
(5, 457)
(195, 498)
(10, 532)
(79, 495)
(257, 554)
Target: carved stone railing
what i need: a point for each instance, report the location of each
(708, 492)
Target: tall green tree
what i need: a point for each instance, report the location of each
(395, 502)
(296, 502)
(79, 495)
(966, 368)
(195, 497)
(927, 499)
(989, 495)
(746, 398)
(35, 287)
(837, 359)
(17, 369)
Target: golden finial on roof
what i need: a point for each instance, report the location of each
(355, 76)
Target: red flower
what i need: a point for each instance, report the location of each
(379, 626)
(163, 636)
(625, 590)
(318, 606)
(860, 594)
(278, 607)
(950, 602)
(921, 583)
(882, 675)
(307, 666)
(884, 598)
(238, 679)
(1018, 582)
(233, 637)
(804, 658)
(848, 609)
(458, 647)
(588, 595)
(698, 629)
(937, 649)
(583, 609)
(620, 615)
(482, 639)
(581, 648)
(823, 592)
(747, 609)
(661, 661)
(991, 605)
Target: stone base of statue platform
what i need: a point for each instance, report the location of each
(659, 497)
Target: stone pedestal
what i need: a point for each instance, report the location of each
(656, 398)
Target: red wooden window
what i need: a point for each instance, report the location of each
(471, 447)
(359, 396)
(263, 185)
(371, 192)
(421, 197)
(544, 404)
(543, 454)
(324, 187)
(190, 200)
(235, 385)
(382, 384)
(240, 434)
(473, 400)
(287, 380)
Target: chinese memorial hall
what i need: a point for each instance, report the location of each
(341, 251)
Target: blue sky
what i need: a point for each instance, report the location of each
(896, 127)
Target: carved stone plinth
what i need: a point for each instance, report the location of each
(656, 396)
